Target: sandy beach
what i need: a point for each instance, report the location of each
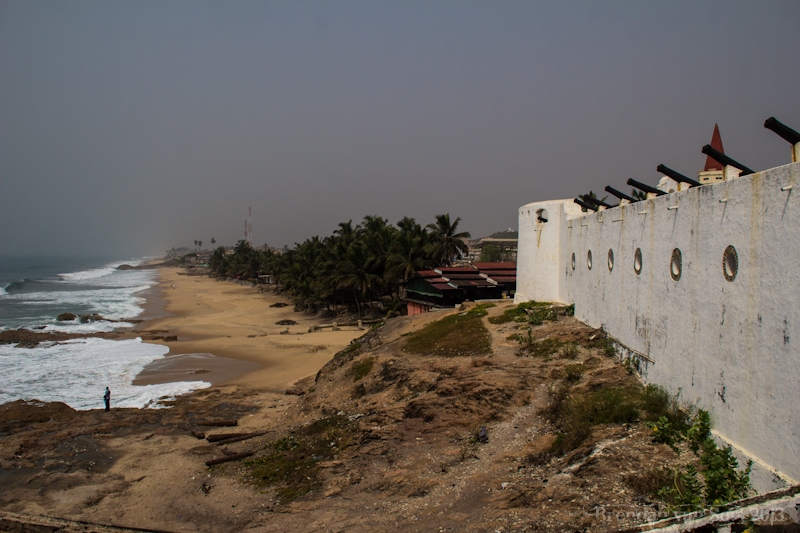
(238, 324)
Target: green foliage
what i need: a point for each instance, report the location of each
(657, 403)
(685, 493)
(361, 368)
(445, 243)
(495, 253)
(461, 334)
(573, 373)
(570, 310)
(543, 348)
(290, 463)
(664, 432)
(355, 267)
(605, 344)
(723, 481)
(700, 431)
(718, 482)
(575, 416)
(518, 313)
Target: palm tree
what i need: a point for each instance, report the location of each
(446, 244)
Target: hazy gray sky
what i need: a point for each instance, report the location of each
(133, 126)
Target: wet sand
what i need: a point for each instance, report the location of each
(238, 324)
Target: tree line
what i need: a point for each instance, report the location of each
(355, 266)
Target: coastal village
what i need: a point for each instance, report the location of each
(502, 386)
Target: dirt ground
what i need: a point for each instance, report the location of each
(413, 464)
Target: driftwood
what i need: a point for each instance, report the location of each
(222, 436)
(217, 423)
(228, 458)
(240, 438)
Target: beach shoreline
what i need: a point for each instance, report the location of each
(227, 332)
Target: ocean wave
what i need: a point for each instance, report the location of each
(76, 372)
(14, 286)
(95, 273)
(115, 304)
(88, 274)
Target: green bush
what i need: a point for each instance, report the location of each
(519, 313)
(290, 463)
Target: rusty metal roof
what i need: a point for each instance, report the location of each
(495, 266)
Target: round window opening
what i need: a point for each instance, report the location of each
(610, 260)
(589, 259)
(637, 261)
(676, 264)
(730, 263)
(573, 260)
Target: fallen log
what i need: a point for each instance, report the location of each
(240, 438)
(198, 434)
(222, 436)
(228, 458)
(217, 423)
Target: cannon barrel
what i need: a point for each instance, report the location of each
(783, 130)
(620, 195)
(584, 204)
(677, 176)
(719, 157)
(646, 188)
(595, 201)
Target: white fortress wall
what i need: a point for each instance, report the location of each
(729, 344)
(542, 249)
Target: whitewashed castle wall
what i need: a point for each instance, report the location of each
(731, 347)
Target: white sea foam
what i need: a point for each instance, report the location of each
(87, 274)
(115, 303)
(94, 273)
(76, 372)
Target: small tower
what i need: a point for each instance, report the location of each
(713, 171)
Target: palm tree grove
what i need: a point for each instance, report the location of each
(356, 267)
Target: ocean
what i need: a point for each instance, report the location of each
(35, 290)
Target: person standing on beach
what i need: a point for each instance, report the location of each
(107, 399)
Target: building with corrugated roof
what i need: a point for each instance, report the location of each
(451, 286)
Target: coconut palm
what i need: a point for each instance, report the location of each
(445, 243)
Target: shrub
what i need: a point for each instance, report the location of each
(518, 313)
(290, 462)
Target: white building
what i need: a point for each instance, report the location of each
(701, 289)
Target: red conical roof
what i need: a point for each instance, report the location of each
(716, 144)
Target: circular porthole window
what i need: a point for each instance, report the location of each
(589, 259)
(730, 263)
(676, 264)
(610, 260)
(637, 261)
(573, 260)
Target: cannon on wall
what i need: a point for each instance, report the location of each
(785, 132)
(725, 160)
(595, 201)
(677, 176)
(644, 187)
(620, 195)
(584, 204)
